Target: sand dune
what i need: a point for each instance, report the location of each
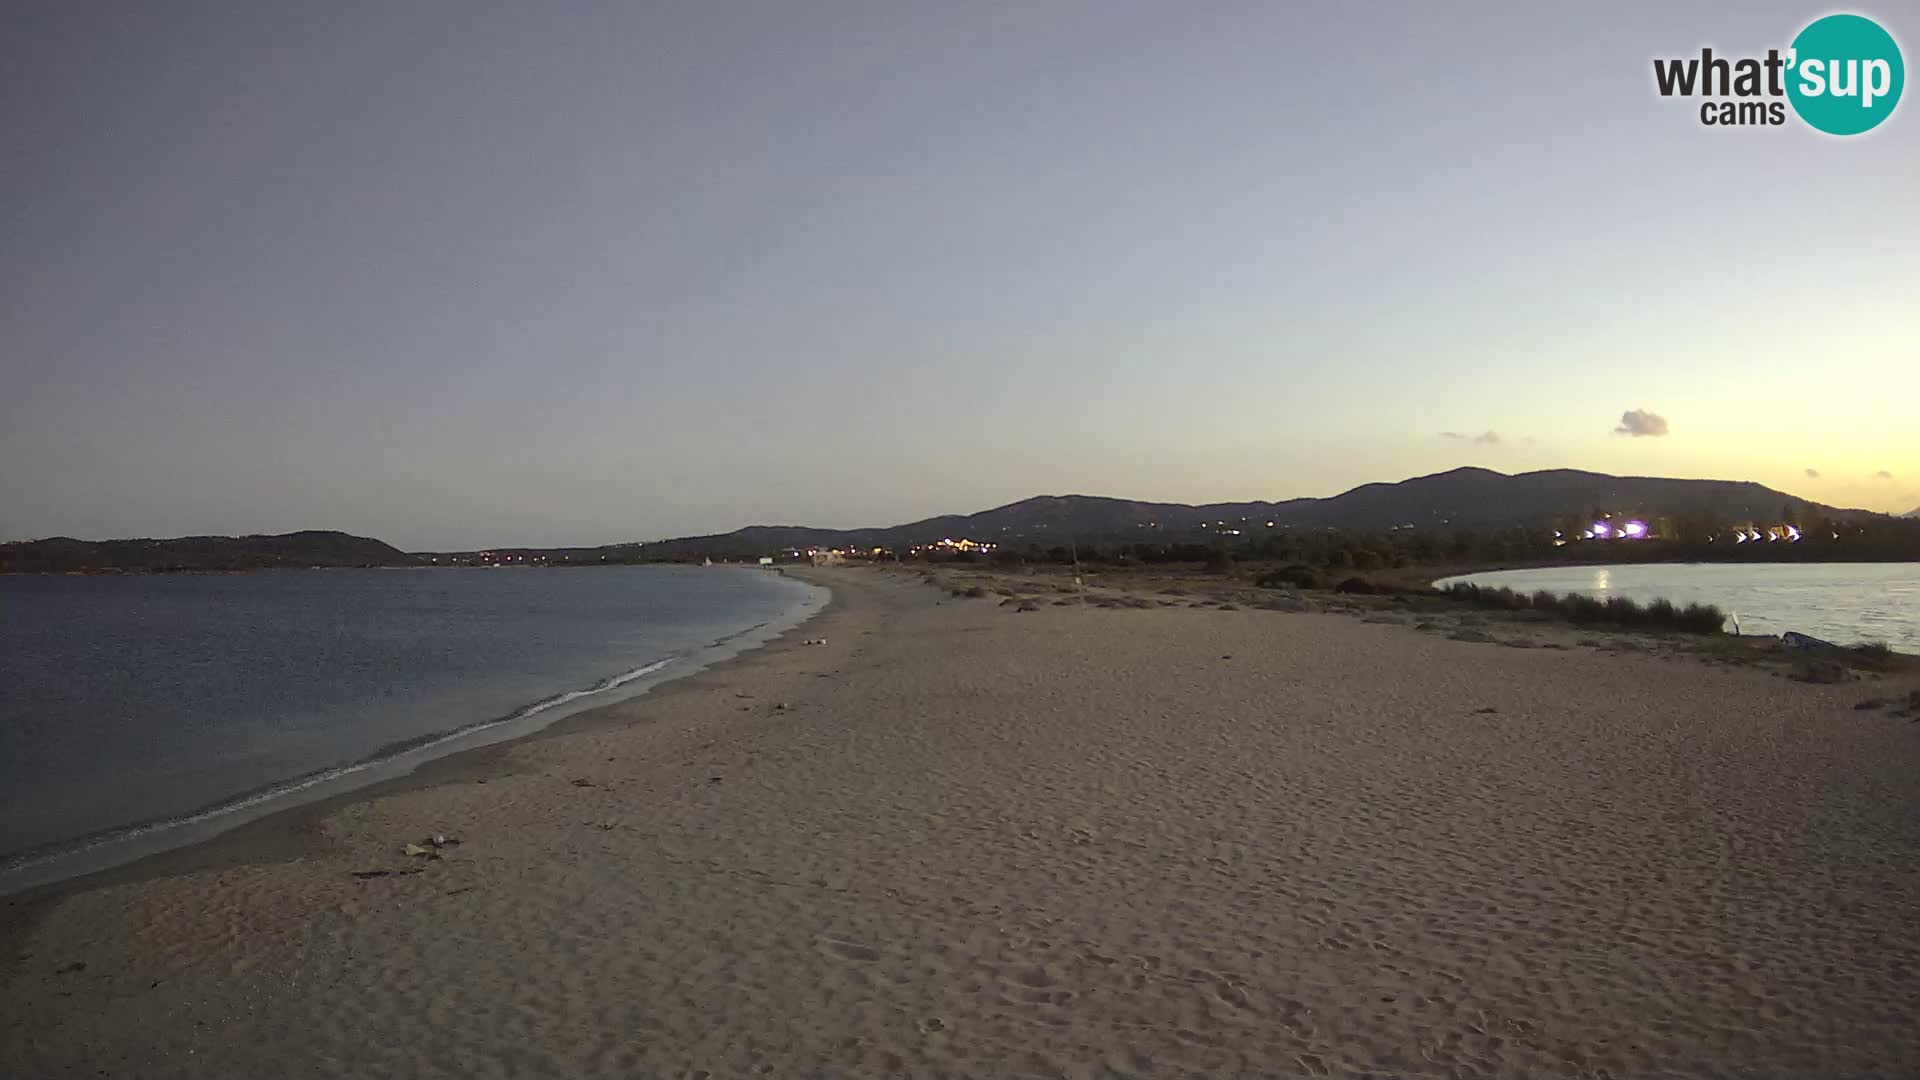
(962, 841)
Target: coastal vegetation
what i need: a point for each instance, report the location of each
(1580, 608)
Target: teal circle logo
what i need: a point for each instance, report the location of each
(1845, 74)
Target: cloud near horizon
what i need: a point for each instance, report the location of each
(1640, 422)
(1813, 474)
(1883, 475)
(1485, 438)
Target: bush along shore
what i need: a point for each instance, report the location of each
(1580, 608)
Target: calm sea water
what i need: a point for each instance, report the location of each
(131, 705)
(1847, 603)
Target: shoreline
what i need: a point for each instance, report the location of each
(970, 839)
(80, 860)
(289, 832)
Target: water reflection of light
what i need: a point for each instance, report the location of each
(1602, 579)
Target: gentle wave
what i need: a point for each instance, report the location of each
(14, 862)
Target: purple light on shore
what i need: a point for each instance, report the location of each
(1635, 529)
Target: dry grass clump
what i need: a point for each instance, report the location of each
(1818, 669)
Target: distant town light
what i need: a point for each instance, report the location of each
(1635, 529)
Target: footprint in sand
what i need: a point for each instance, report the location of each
(848, 950)
(1232, 995)
(1035, 977)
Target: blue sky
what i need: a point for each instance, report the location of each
(463, 274)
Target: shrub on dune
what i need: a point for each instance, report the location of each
(1296, 576)
(1581, 608)
(1584, 609)
(1701, 619)
(1624, 611)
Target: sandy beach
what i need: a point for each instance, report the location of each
(959, 839)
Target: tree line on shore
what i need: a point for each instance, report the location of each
(1881, 540)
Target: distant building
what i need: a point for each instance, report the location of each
(950, 545)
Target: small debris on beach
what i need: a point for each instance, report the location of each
(582, 782)
(429, 846)
(1486, 709)
(76, 966)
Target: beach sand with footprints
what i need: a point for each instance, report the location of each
(961, 839)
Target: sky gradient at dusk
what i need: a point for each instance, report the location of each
(470, 274)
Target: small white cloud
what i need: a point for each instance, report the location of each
(1640, 422)
(1485, 438)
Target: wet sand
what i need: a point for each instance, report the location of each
(959, 839)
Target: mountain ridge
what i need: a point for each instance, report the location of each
(1468, 497)
(201, 554)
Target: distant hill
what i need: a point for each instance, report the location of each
(1466, 498)
(198, 553)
